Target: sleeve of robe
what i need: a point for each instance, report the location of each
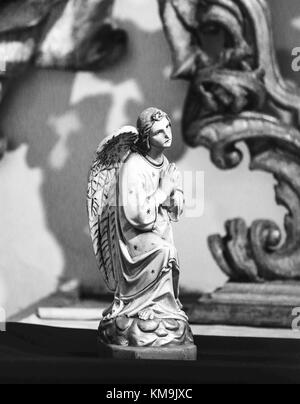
(140, 207)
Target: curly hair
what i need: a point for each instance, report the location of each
(145, 123)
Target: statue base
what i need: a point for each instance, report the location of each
(179, 353)
(157, 339)
(157, 333)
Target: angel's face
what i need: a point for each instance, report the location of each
(161, 134)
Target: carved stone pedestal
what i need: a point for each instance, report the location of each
(256, 305)
(180, 353)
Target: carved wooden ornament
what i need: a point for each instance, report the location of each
(239, 95)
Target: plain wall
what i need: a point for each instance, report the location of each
(55, 120)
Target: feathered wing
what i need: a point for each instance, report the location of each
(102, 199)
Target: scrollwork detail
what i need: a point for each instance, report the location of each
(238, 96)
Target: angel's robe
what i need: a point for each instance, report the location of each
(148, 268)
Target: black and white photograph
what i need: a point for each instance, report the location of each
(149, 195)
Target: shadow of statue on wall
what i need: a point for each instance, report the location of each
(62, 136)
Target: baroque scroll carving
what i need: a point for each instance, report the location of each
(57, 34)
(239, 95)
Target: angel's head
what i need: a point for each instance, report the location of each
(155, 131)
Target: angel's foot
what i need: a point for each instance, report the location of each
(147, 314)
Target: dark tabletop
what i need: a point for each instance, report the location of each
(36, 354)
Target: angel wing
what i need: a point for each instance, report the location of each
(102, 199)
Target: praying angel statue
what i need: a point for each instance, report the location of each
(134, 195)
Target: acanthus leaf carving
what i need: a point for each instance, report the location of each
(237, 96)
